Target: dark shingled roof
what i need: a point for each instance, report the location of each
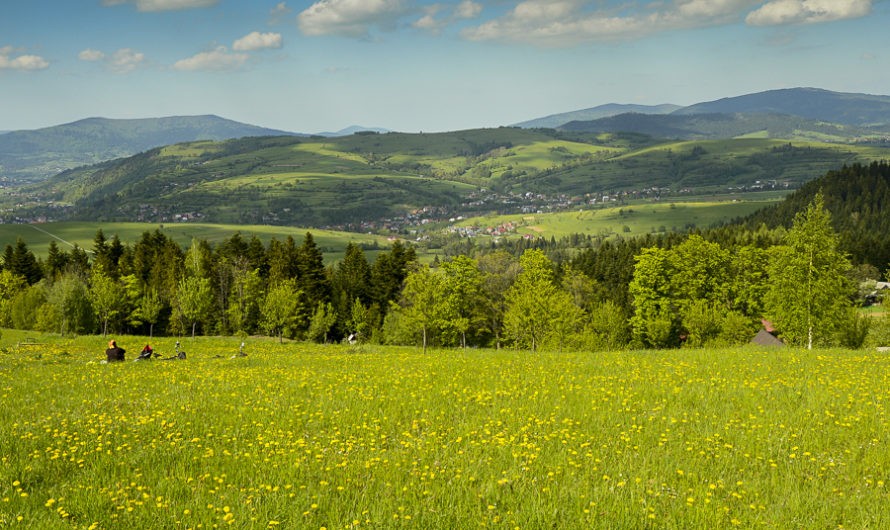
(765, 338)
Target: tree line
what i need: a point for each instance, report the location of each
(700, 289)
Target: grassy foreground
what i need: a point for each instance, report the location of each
(307, 436)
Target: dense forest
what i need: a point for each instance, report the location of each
(800, 265)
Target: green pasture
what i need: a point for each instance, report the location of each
(67, 234)
(628, 221)
(309, 436)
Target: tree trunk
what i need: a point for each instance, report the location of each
(424, 339)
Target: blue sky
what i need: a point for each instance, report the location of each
(420, 65)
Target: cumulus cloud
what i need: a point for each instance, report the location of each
(428, 21)
(466, 9)
(162, 5)
(20, 62)
(125, 60)
(257, 41)
(350, 18)
(569, 22)
(780, 12)
(218, 60)
(279, 12)
(91, 55)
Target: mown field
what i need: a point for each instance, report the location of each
(308, 436)
(38, 236)
(630, 220)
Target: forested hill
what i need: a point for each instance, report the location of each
(373, 177)
(857, 197)
(37, 154)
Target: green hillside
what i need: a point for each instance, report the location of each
(632, 220)
(35, 155)
(348, 181)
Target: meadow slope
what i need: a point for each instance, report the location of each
(308, 436)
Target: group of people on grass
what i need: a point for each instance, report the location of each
(115, 353)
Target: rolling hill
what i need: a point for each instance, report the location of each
(350, 181)
(29, 156)
(794, 113)
(603, 111)
(715, 126)
(861, 110)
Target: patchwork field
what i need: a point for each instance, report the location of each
(307, 436)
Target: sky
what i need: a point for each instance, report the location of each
(420, 65)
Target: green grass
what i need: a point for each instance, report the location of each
(65, 234)
(630, 220)
(304, 436)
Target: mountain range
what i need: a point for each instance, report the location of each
(37, 154)
(273, 177)
(794, 113)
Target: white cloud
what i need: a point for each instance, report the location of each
(20, 62)
(219, 59)
(569, 22)
(279, 12)
(125, 60)
(428, 21)
(162, 5)
(90, 55)
(780, 12)
(257, 41)
(467, 9)
(350, 18)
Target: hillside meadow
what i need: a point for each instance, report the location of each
(633, 219)
(310, 436)
(38, 236)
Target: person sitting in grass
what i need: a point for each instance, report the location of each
(114, 353)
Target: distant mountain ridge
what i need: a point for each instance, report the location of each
(38, 154)
(602, 111)
(793, 113)
(862, 110)
(714, 126)
(353, 129)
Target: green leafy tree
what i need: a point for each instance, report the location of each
(499, 270)
(194, 299)
(699, 271)
(462, 296)
(606, 327)
(533, 302)
(244, 301)
(281, 311)
(11, 285)
(321, 323)
(149, 308)
(809, 292)
(72, 310)
(358, 322)
(424, 306)
(652, 323)
(106, 295)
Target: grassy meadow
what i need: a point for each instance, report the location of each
(68, 233)
(308, 436)
(628, 220)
